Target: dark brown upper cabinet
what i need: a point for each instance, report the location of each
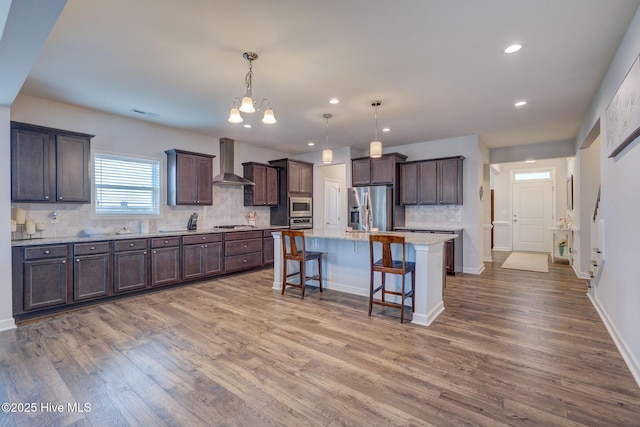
(431, 182)
(378, 171)
(49, 165)
(265, 190)
(189, 178)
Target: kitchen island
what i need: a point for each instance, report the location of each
(346, 264)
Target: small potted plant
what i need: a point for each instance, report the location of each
(561, 244)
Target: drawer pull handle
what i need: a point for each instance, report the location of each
(144, 253)
(245, 246)
(92, 248)
(166, 242)
(206, 246)
(131, 245)
(155, 252)
(204, 238)
(47, 252)
(46, 197)
(64, 261)
(244, 260)
(77, 259)
(59, 197)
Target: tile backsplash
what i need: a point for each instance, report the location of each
(228, 208)
(445, 215)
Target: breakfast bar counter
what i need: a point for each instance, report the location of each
(346, 265)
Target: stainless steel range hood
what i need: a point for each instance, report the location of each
(226, 175)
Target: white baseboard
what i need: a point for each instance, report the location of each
(7, 324)
(502, 248)
(487, 259)
(579, 274)
(420, 319)
(627, 355)
(477, 270)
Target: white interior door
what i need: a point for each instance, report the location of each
(532, 216)
(331, 204)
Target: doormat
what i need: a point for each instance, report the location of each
(527, 261)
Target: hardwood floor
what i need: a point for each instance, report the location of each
(512, 348)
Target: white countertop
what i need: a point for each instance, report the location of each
(360, 236)
(427, 227)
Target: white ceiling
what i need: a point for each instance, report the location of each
(436, 65)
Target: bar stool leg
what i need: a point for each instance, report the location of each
(320, 271)
(284, 275)
(413, 289)
(371, 292)
(303, 277)
(402, 301)
(384, 288)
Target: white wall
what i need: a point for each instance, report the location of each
(617, 296)
(6, 311)
(502, 199)
(469, 147)
(588, 173)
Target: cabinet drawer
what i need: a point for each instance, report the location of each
(201, 238)
(130, 245)
(242, 262)
(38, 252)
(91, 248)
(238, 247)
(166, 242)
(243, 235)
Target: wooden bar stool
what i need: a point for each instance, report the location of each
(388, 265)
(290, 252)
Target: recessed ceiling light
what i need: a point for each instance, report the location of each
(334, 101)
(520, 104)
(311, 143)
(530, 161)
(386, 129)
(246, 126)
(513, 48)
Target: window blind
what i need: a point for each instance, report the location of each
(126, 186)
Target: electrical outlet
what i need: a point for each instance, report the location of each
(54, 217)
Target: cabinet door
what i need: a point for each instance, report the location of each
(72, 169)
(32, 166)
(383, 170)
(428, 176)
(192, 261)
(260, 189)
(306, 179)
(45, 283)
(294, 176)
(91, 276)
(271, 187)
(267, 250)
(212, 259)
(360, 172)
(165, 266)
(449, 177)
(204, 181)
(130, 271)
(186, 179)
(409, 184)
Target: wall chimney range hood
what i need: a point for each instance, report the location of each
(226, 175)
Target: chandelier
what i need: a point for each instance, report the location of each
(327, 154)
(375, 147)
(247, 104)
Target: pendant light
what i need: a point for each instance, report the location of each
(375, 147)
(327, 155)
(247, 104)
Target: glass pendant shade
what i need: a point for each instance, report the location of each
(327, 156)
(268, 118)
(234, 116)
(247, 105)
(375, 149)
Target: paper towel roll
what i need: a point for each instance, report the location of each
(21, 216)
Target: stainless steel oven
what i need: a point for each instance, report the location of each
(300, 223)
(300, 207)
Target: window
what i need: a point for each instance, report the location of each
(126, 186)
(532, 176)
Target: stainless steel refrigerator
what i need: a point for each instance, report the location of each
(373, 207)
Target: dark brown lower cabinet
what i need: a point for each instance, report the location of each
(242, 250)
(130, 265)
(91, 270)
(267, 248)
(45, 283)
(201, 256)
(165, 261)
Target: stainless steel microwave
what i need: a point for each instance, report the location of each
(300, 207)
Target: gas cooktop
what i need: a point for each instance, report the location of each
(235, 227)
